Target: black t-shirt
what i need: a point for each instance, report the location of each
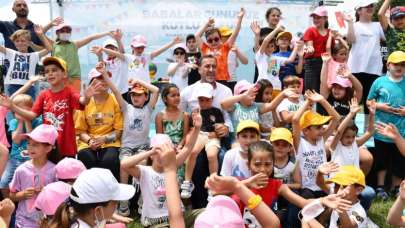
(341, 107)
(193, 58)
(210, 117)
(7, 28)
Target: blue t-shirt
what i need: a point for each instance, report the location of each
(17, 148)
(384, 90)
(240, 113)
(288, 69)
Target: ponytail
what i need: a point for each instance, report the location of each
(44, 222)
(63, 217)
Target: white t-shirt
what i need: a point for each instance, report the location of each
(153, 194)
(346, 155)
(365, 54)
(235, 165)
(266, 120)
(310, 157)
(119, 73)
(80, 224)
(138, 66)
(269, 68)
(180, 77)
(232, 65)
(356, 213)
(22, 66)
(285, 173)
(136, 125)
(287, 105)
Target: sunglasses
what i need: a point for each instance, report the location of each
(216, 40)
(179, 53)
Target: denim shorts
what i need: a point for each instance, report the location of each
(126, 152)
(8, 173)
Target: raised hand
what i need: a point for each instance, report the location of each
(167, 155)
(326, 57)
(5, 101)
(38, 29)
(97, 50)
(117, 34)
(336, 202)
(389, 130)
(280, 28)
(259, 180)
(251, 93)
(92, 89)
(314, 96)
(197, 119)
(221, 184)
(100, 67)
(37, 78)
(255, 27)
(354, 105)
(210, 22)
(57, 21)
(241, 13)
(347, 18)
(328, 168)
(290, 93)
(177, 40)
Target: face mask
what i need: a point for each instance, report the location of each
(100, 222)
(64, 36)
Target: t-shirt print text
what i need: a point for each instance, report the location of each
(21, 67)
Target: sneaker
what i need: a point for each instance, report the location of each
(123, 209)
(186, 188)
(380, 192)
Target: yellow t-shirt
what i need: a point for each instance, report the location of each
(99, 120)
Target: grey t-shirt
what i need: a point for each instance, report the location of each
(136, 125)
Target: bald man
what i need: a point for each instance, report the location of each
(7, 28)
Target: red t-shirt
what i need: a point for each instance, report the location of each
(221, 54)
(319, 41)
(57, 110)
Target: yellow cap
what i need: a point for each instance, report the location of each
(60, 62)
(281, 133)
(247, 124)
(225, 31)
(311, 118)
(348, 175)
(284, 34)
(396, 57)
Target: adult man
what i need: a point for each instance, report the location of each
(207, 70)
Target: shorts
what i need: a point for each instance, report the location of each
(189, 219)
(126, 152)
(387, 156)
(208, 142)
(12, 165)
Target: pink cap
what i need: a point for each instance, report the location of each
(241, 87)
(221, 211)
(160, 139)
(320, 11)
(69, 168)
(93, 74)
(138, 41)
(44, 133)
(344, 82)
(115, 225)
(51, 196)
(61, 26)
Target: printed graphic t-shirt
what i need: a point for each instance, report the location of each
(22, 66)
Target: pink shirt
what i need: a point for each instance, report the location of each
(333, 68)
(3, 137)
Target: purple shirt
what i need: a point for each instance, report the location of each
(26, 176)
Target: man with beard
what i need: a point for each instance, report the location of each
(20, 8)
(188, 101)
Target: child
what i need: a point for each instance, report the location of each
(152, 180)
(267, 120)
(63, 47)
(137, 117)
(94, 195)
(267, 64)
(389, 93)
(309, 135)
(242, 105)
(315, 38)
(68, 169)
(117, 67)
(390, 131)
(3, 140)
(22, 64)
(338, 85)
(396, 29)
(172, 121)
(17, 127)
(33, 175)
(261, 162)
(235, 160)
(56, 105)
(139, 61)
(396, 214)
(193, 56)
(214, 45)
(179, 70)
(285, 111)
(207, 139)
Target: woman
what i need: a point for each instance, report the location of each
(99, 127)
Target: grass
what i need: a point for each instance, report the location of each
(379, 211)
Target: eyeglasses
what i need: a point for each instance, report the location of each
(216, 39)
(179, 53)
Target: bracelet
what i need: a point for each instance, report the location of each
(254, 201)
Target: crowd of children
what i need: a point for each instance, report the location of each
(284, 151)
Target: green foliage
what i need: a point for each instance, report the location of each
(393, 4)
